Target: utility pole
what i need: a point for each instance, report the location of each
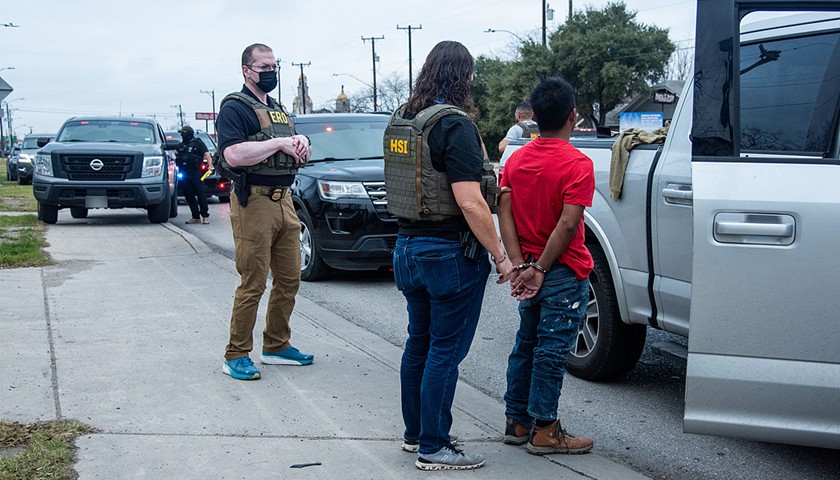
(543, 22)
(373, 57)
(303, 94)
(409, 28)
(2, 137)
(212, 94)
(180, 114)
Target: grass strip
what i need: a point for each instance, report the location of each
(22, 242)
(48, 450)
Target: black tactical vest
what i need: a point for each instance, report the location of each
(529, 129)
(274, 123)
(416, 191)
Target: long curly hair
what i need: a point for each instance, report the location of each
(446, 76)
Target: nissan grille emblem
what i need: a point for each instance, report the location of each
(96, 164)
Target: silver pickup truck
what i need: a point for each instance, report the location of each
(727, 233)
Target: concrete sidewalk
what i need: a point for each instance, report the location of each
(126, 333)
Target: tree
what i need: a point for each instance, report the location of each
(500, 86)
(607, 55)
(680, 65)
(391, 92)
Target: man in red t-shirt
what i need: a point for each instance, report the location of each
(546, 186)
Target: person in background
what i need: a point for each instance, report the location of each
(525, 126)
(546, 187)
(189, 157)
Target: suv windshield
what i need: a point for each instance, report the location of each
(30, 143)
(342, 140)
(204, 136)
(117, 131)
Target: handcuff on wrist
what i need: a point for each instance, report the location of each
(504, 257)
(523, 266)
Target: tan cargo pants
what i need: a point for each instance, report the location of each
(266, 235)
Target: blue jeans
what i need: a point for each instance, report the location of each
(444, 292)
(547, 330)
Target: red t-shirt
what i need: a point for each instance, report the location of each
(544, 175)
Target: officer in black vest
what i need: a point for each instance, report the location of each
(260, 153)
(189, 157)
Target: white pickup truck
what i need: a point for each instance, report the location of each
(727, 233)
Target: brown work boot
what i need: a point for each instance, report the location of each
(516, 433)
(552, 439)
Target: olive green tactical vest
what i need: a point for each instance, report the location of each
(416, 191)
(529, 130)
(274, 123)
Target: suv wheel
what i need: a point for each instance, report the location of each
(312, 266)
(173, 207)
(606, 346)
(47, 213)
(160, 213)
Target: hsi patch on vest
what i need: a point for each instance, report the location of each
(398, 146)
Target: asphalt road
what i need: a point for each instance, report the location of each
(635, 419)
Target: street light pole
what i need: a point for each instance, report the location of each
(409, 28)
(373, 57)
(353, 76)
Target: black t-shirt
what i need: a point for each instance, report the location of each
(455, 148)
(236, 122)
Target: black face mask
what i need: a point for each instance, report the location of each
(187, 137)
(268, 81)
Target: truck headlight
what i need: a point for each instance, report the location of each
(152, 166)
(24, 158)
(43, 165)
(329, 190)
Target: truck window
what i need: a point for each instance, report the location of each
(789, 93)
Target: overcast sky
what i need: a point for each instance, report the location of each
(98, 57)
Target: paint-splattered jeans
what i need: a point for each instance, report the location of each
(547, 329)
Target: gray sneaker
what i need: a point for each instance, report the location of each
(413, 447)
(449, 458)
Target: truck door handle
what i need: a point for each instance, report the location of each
(749, 228)
(674, 194)
(758, 229)
(678, 194)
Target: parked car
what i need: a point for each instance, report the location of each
(340, 195)
(106, 162)
(726, 232)
(11, 164)
(26, 158)
(214, 184)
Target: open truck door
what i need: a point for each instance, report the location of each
(764, 346)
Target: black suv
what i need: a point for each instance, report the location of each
(214, 184)
(340, 195)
